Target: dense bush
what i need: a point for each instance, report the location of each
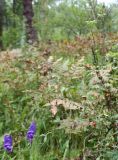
(72, 101)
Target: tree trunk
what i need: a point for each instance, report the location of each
(31, 35)
(93, 5)
(1, 22)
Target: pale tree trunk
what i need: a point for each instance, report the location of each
(31, 35)
(93, 5)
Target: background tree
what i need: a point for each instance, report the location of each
(54, 19)
(2, 2)
(31, 35)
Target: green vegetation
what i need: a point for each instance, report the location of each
(65, 79)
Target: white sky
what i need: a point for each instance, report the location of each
(107, 1)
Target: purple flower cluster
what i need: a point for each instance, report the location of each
(8, 144)
(31, 132)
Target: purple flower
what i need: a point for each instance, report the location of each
(31, 132)
(8, 143)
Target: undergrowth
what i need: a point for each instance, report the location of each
(72, 101)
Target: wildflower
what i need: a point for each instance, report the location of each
(8, 143)
(31, 132)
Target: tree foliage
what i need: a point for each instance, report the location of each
(57, 20)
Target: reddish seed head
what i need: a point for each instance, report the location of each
(93, 124)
